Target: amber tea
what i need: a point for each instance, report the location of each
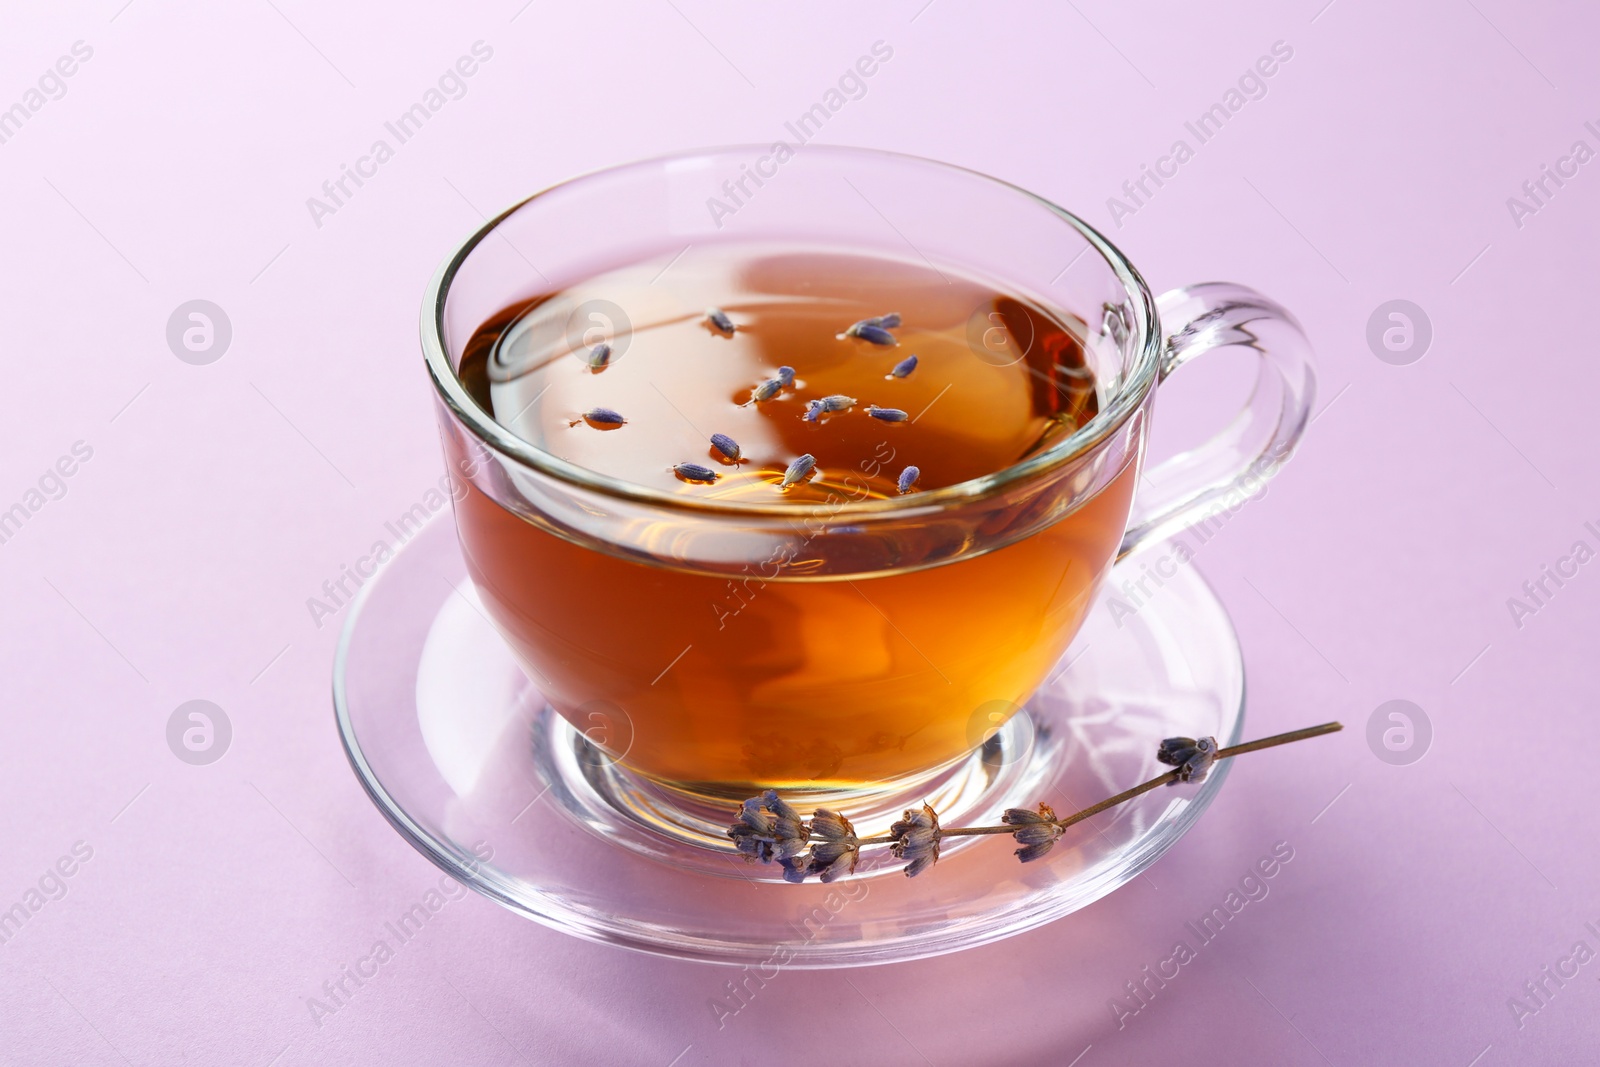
(803, 378)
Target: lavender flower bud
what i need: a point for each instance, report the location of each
(904, 367)
(916, 840)
(1193, 758)
(603, 417)
(798, 470)
(786, 376)
(719, 319)
(767, 829)
(599, 356)
(879, 322)
(694, 472)
(726, 445)
(767, 390)
(871, 333)
(1036, 831)
(833, 856)
(887, 414)
(908, 478)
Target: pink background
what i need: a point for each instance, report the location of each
(218, 498)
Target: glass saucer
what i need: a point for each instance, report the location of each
(460, 753)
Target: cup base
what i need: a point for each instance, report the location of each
(463, 757)
(688, 829)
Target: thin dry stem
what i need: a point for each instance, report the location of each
(1129, 794)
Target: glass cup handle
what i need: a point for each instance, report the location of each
(1236, 463)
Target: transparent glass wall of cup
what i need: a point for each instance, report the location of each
(615, 596)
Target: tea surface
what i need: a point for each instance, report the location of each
(993, 378)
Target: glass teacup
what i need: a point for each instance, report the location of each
(858, 644)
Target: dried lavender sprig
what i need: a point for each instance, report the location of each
(908, 478)
(719, 319)
(798, 470)
(887, 414)
(603, 417)
(918, 836)
(727, 446)
(1143, 787)
(694, 472)
(904, 367)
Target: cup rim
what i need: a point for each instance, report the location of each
(1136, 386)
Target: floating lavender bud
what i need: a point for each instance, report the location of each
(726, 445)
(767, 390)
(908, 478)
(786, 376)
(882, 322)
(904, 367)
(871, 333)
(603, 417)
(799, 469)
(719, 319)
(837, 402)
(693, 472)
(599, 356)
(887, 414)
